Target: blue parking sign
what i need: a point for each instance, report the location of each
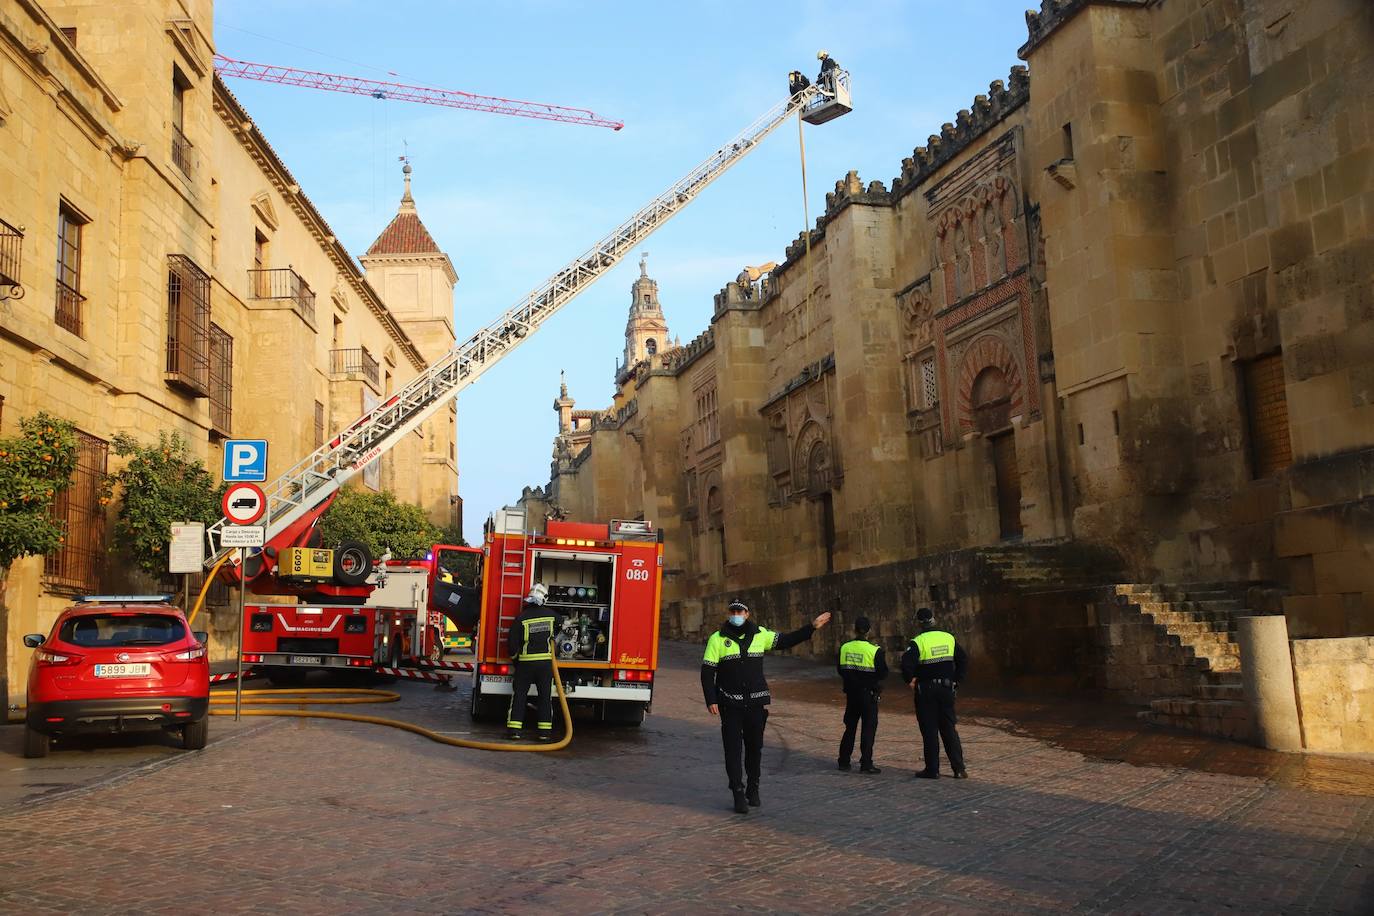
(245, 459)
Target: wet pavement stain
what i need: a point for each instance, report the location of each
(1105, 731)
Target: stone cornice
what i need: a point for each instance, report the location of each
(1055, 13)
(235, 117)
(987, 112)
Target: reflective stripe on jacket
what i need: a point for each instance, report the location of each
(934, 646)
(862, 666)
(733, 677)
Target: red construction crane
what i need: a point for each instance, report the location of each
(448, 98)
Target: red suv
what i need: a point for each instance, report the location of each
(117, 663)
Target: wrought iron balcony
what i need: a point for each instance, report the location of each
(282, 284)
(348, 364)
(69, 308)
(11, 246)
(183, 153)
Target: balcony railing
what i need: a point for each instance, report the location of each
(70, 305)
(352, 363)
(183, 153)
(282, 284)
(11, 244)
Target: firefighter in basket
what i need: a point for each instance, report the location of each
(531, 651)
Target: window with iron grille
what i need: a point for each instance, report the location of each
(930, 388)
(11, 244)
(1266, 409)
(188, 327)
(221, 380)
(68, 313)
(319, 424)
(76, 565)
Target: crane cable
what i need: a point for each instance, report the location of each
(806, 225)
(344, 696)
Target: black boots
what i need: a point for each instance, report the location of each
(871, 769)
(752, 796)
(741, 803)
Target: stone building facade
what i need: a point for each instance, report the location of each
(1114, 323)
(195, 287)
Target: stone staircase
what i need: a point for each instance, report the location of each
(1173, 646)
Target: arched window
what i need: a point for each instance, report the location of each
(991, 400)
(651, 345)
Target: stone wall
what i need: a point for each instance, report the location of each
(1335, 685)
(1045, 641)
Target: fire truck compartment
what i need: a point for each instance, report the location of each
(581, 591)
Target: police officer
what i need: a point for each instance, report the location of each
(863, 667)
(735, 689)
(933, 666)
(531, 650)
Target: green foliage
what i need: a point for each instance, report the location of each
(381, 522)
(163, 484)
(35, 466)
(451, 534)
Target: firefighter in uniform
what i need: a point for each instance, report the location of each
(735, 689)
(863, 667)
(933, 665)
(531, 652)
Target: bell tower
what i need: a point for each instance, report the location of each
(646, 332)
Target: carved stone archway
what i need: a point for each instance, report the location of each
(1000, 395)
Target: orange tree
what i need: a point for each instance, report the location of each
(35, 466)
(162, 484)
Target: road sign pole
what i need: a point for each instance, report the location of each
(238, 681)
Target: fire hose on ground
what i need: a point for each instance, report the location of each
(264, 703)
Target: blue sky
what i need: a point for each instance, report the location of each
(512, 199)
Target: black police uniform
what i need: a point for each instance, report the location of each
(936, 674)
(862, 687)
(531, 649)
(732, 678)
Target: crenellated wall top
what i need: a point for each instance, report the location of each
(987, 112)
(1054, 13)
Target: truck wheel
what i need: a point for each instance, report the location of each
(488, 709)
(623, 715)
(36, 743)
(193, 736)
(352, 563)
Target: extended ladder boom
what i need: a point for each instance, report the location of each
(303, 488)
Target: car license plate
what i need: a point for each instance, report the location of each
(132, 669)
(496, 679)
(306, 659)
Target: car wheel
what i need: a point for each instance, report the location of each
(36, 743)
(193, 736)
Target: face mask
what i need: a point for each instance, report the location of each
(736, 620)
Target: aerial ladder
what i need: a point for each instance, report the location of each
(298, 498)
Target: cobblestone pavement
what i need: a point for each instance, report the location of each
(310, 816)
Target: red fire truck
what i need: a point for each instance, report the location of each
(604, 581)
(400, 624)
